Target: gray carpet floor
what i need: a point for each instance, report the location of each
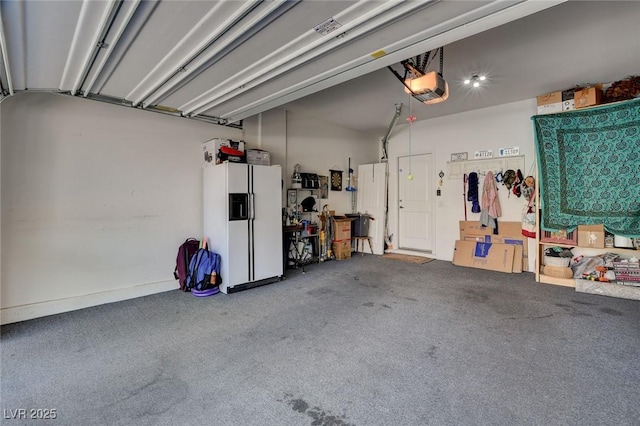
(364, 341)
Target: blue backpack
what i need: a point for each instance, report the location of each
(204, 271)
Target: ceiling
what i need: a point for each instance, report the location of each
(574, 43)
(223, 61)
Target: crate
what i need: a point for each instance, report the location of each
(627, 273)
(341, 228)
(560, 237)
(342, 249)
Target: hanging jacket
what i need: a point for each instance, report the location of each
(490, 200)
(472, 192)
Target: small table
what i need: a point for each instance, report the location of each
(363, 239)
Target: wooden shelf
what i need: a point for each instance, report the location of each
(606, 249)
(567, 282)
(542, 243)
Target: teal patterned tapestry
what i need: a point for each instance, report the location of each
(589, 168)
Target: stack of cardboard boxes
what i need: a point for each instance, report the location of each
(479, 248)
(567, 100)
(341, 244)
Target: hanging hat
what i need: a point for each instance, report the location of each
(508, 178)
(528, 187)
(308, 204)
(517, 183)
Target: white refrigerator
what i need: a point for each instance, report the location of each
(243, 223)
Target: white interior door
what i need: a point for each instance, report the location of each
(415, 218)
(371, 201)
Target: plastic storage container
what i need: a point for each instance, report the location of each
(359, 226)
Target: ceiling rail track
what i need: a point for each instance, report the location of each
(463, 25)
(167, 90)
(125, 103)
(365, 23)
(5, 72)
(95, 19)
(108, 43)
(169, 66)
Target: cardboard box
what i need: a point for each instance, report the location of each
(211, 148)
(550, 103)
(259, 157)
(342, 228)
(549, 98)
(591, 236)
(341, 249)
(490, 256)
(550, 109)
(588, 97)
(508, 233)
(210, 152)
(519, 245)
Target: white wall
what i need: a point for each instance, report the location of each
(96, 199)
(294, 138)
(268, 131)
(318, 147)
(506, 125)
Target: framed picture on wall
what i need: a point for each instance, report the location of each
(292, 198)
(324, 186)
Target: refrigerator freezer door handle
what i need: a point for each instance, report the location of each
(252, 206)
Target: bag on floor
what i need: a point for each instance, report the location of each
(529, 221)
(204, 271)
(185, 253)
